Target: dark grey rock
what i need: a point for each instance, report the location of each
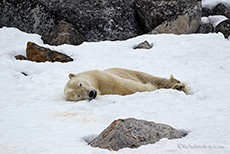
(143, 45)
(207, 12)
(27, 15)
(221, 9)
(224, 28)
(151, 13)
(133, 133)
(98, 20)
(206, 28)
(186, 23)
(64, 33)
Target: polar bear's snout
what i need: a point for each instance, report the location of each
(92, 94)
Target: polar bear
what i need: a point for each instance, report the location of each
(87, 85)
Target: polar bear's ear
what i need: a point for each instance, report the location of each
(71, 75)
(174, 80)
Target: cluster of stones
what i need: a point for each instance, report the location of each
(75, 21)
(223, 27)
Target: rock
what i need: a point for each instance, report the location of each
(20, 57)
(143, 45)
(64, 33)
(30, 16)
(221, 9)
(153, 13)
(224, 28)
(186, 23)
(98, 20)
(41, 54)
(206, 28)
(133, 133)
(207, 12)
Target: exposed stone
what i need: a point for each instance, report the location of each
(207, 12)
(224, 28)
(206, 28)
(133, 133)
(143, 45)
(30, 16)
(186, 23)
(41, 54)
(20, 57)
(221, 9)
(153, 13)
(64, 33)
(98, 20)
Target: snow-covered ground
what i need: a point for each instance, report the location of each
(36, 119)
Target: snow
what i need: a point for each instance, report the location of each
(214, 20)
(212, 3)
(36, 119)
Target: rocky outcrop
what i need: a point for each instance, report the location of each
(143, 45)
(219, 17)
(64, 33)
(133, 133)
(153, 13)
(186, 23)
(41, 54)
(27, 15)
(98, 20)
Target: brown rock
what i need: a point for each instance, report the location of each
(133, 133)
(20, 57)
(41, 54)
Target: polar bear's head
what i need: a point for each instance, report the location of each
(176, 84)
(78, 88)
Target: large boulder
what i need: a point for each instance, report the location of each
(185, 23)
(151, 13)
(27, 15)
(64, 33)
(133, 133)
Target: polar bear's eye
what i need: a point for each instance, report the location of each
(79, 84)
